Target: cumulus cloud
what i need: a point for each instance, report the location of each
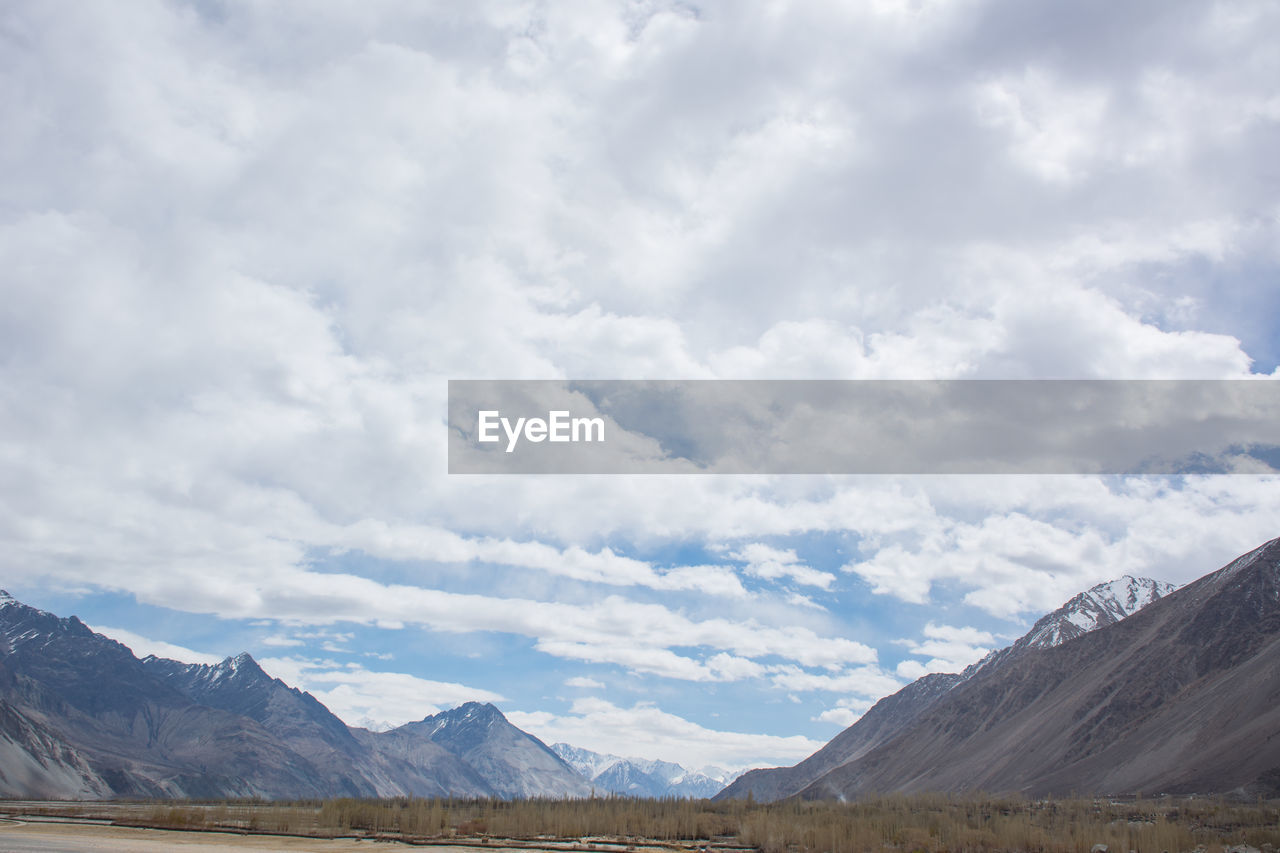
(369, 698)
(143, 646)
(845, 713)
(243, 258)
(870, 682)
(1013, 553)
(770, 563)
(947, 649)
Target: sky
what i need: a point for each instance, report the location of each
(244, 246)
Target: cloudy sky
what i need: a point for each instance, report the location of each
(244, 245)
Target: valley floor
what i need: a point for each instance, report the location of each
(49, 837)
(927, 823)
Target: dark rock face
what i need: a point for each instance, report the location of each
(81, 717)
(887, 717)
(1181, 697)
(137, 735)
(1104, 604)
(347, 760)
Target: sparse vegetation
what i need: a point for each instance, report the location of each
(927, 823)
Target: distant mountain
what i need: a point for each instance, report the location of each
(1104, 604)
(588, 764)
(1183, 696)
(638, 777)
(82, 717)
(512, 762)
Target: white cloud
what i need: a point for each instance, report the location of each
(771, 563)
(912, 669)
(948, 649)
(613, 630)
(281, 640)
(359, 696)
(1038, 541)
(842, 717)
(143, 646)
(1055, 133)
(845, 713)
(870, 682)
(584, 682)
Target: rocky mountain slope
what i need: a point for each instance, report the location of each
(512, 762)
(352, 760)
(1183, 696)
(82, 717)
(1128, 687)
(83, 701)
(1104, 604)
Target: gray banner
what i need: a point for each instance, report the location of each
(864, 427)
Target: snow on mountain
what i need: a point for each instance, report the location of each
(1101, 605)
(512, 762)
(589, 764)
(1179, 697)
(1096, 607)
(719, 774)
(643, 777)
(72, 702)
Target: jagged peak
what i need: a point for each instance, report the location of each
(6, 599)
(228, 667)
(1101, 605)
(1131, 593)
(242, 662)
(464, 716)
(470, 710)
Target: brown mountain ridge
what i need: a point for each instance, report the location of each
(1183, 697)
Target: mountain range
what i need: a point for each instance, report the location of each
(1129, 687)
(641, 777)
(82, 717)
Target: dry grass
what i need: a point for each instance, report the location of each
(926, 823)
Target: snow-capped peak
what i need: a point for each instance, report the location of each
(1095, 608)
(643, 776)
(1127, 595)
(589, 764)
